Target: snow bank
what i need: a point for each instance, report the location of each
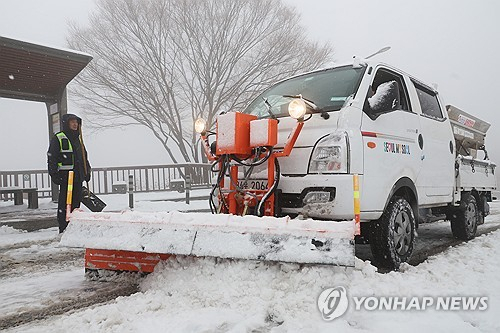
(6, 230)
(11, 236)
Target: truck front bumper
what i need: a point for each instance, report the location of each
(307, 195)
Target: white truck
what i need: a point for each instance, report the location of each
(416, 158)
(364, 143)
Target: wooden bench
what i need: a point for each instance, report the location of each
(18, 195)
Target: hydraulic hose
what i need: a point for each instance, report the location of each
(271, 190)
(255, 163)
(225, 166)
(222, 172)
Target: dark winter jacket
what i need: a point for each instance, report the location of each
(54, 155)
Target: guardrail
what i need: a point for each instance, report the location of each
(150, 178)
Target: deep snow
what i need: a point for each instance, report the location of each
(193, 295)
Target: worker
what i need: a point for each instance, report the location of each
(67, 152)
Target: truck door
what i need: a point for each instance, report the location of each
(389, 129)
(436, 149)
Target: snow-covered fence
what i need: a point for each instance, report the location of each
(148, 178)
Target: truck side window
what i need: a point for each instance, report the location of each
(387, 93)
(428, 102)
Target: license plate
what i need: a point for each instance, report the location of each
(253, 184)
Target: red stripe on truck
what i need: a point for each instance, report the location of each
(370, 134)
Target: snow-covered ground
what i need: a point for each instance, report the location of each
(146, 202)
(9, 236)
(208, 295)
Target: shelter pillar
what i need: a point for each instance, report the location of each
(55, 110)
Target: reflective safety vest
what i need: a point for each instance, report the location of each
(66, 149)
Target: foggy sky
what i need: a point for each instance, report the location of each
(453, 44)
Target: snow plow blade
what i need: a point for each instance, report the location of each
(134, 241)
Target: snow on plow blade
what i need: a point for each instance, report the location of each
(137, 241)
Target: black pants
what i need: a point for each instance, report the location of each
(61, 204)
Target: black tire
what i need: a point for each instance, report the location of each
(392, 236)
(464, 219)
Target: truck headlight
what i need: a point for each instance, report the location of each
(330, 155)
(297, 108)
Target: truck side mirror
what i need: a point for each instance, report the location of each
(385, 99)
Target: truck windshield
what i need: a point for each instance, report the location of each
(328, 89)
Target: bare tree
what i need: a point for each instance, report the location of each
(164, 63)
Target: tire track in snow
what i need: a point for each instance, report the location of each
(65, 304)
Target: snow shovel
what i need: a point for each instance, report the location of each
(92, 201)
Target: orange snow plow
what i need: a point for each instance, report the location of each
(118, 260)
(137, 241)
(243, 223)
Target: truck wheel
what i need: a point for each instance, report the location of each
(393, 235)
(464, 220)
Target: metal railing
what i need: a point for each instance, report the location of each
(150, 178)
(30, 178)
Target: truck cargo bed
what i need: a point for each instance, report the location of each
(473, 173)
